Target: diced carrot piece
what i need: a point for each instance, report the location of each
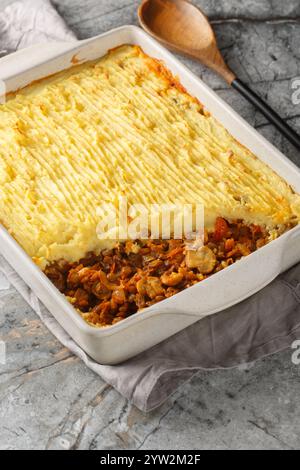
(221, 228)
(229, 244)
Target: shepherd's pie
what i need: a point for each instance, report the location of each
(122, 125)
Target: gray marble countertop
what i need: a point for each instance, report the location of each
(49, 399)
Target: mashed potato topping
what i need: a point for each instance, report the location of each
(121, 125)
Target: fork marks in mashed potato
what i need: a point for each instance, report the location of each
(121, 125)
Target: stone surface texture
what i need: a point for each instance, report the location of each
(50, 400)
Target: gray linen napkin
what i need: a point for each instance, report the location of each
(267, 322)
(29, 22)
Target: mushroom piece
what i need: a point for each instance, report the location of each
(203, 259)
(150, 286)
(171, 279)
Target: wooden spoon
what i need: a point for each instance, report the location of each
(182, 27)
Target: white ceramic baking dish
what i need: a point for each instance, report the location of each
(139, 332)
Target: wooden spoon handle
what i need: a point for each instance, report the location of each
(267, 111)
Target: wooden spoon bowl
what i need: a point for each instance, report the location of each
(182, 27)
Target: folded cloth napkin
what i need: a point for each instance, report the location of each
(29, 22)
(267, 322)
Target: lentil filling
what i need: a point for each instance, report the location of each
(111, 286)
